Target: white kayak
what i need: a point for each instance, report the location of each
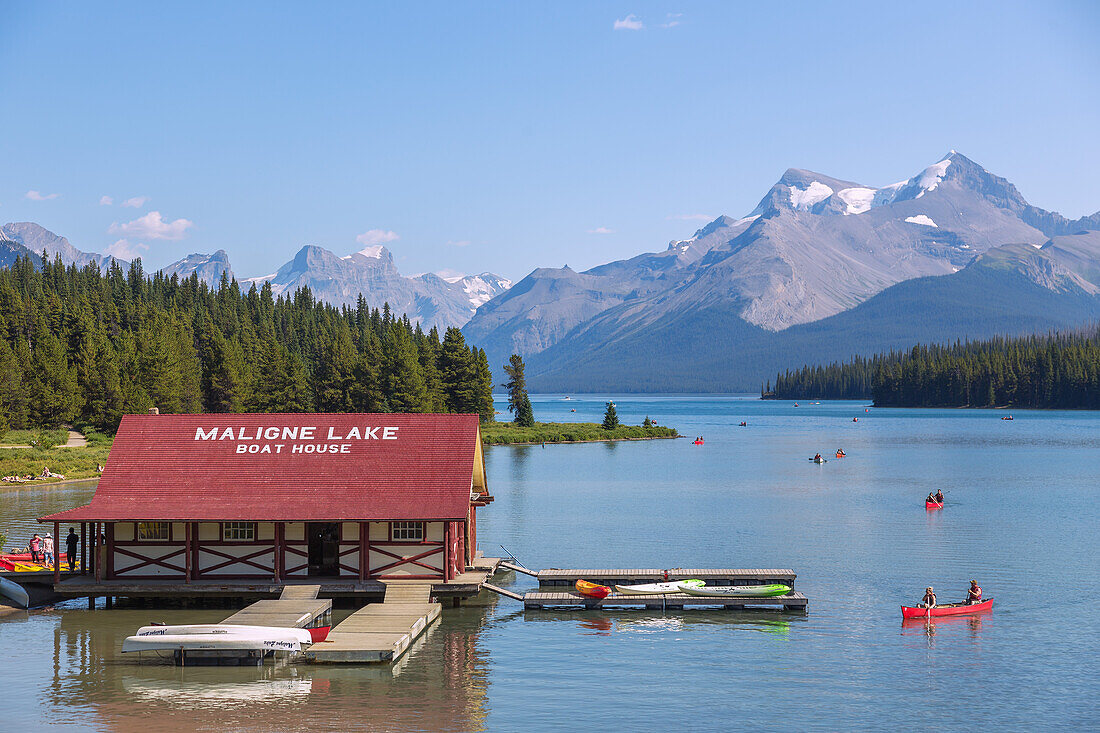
(655, 589)
(14, 592)
(736, 591)
(301, 635)
(269, 642)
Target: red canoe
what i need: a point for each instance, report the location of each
(932, 505)
(592, 590)
(948, 609)
(319, 633)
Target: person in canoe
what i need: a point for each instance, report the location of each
(817, 456)
(840, 453)
(932, 498)
(974, 595)
(939, 496)
(929, 600)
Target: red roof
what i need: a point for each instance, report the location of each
(286, 467)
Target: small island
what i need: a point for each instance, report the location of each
(523, 430)
(508, 433)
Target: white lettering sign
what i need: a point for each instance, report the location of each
(250, 441)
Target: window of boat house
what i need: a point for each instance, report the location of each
(407, 531)
(232, 531)
(154, 530)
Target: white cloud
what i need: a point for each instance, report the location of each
(39, 196)
(106, 200)
(671, 20)
(125, 250)
(459, 243)
(690, 217)
(377, 236)
(629, 23)
(136, 202)
(601, 230)
(152, 226)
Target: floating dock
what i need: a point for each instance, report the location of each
(297, 607)
(556, 584)
(380, 632)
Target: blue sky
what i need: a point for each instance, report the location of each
(503, 137)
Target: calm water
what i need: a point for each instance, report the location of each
(1021, 517)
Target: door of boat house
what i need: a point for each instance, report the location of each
(324, 548)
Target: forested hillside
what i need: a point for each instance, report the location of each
(87, 346)
(1052, 371)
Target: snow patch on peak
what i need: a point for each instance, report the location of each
(373, 251)
(933, 175)
(857, 200)
(922, 220)
(805, 198)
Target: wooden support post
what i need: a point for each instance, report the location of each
(446, 551)
(275, 551)
(108, 553)
(91, 603)
(363, 559)
(97, 556)
(366, 550)
(56, 552)
(280, 550)
(187, 552)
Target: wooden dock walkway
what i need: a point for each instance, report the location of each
(380, 632)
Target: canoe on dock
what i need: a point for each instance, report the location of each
(270, 640)
(654, 589)
(947, 609)
(735, 591)
(592, 590)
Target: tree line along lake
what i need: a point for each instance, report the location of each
(1020, 517)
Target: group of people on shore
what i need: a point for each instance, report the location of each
(46, 473)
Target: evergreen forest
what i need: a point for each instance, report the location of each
(85, 346)
(1058, 370)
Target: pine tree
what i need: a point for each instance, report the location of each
(403, 382)
(519, 403)
(458, 372)
(485, 407)
(610, 417)
(52, 389)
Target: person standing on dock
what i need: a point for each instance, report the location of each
(36, 547)
(72, 545)
(47, 550)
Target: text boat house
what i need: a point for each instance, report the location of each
(235, 498)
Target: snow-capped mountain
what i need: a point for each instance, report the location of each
(371, 272)
(209, 268)
(815, 246)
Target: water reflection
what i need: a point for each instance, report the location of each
(440, 684)
(607, 622)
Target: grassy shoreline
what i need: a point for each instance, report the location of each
(74, 464)
(506, 433)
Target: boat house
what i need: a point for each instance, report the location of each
(193, 500)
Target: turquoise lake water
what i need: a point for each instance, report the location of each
(1021, 516)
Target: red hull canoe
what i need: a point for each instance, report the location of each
(592, 590)
(932, 505)
(950, 609)
(319, 633)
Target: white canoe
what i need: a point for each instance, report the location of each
(736, 591)
(302, 635)
(271, 642)
(655, 589)
(14, 592)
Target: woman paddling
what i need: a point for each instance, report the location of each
(929, 600)
(974, 595)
